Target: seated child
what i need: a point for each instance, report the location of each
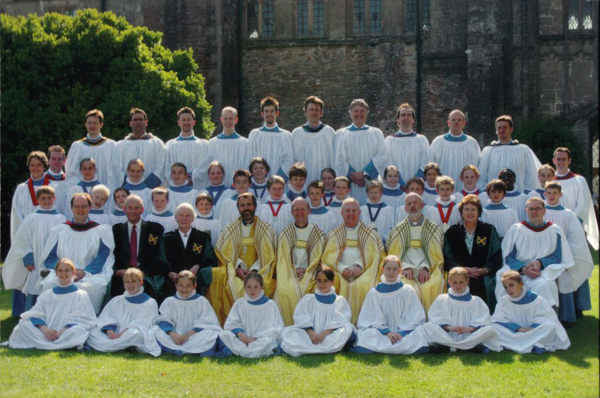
(328, 178)
(126, 320)
(514, 198)
(187, 324)
(376, 213)
(341, 187)
(87, 181)
(496, 212)
(459, 320)
(259, 169)
(276, 211)
(117, 215)
(525, 322)
(445, 211)
(416, 185)
(321, 321)
(61, 318)
(180, 192)
(391, 316)
(161, 212)
(393, 194)
(135, 183)
(229, 211)
(320, 215)
(205, 220)
(432, 172)
(297, 181)
(469, 176)
(100, 194)
(216, 188)
(253, 326)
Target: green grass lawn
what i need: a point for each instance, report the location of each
(565, 374)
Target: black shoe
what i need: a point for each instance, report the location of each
(578, 314)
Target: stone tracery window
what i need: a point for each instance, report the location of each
(367, 16)
(580, 15)
(310, 17)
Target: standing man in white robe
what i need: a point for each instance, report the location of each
(507, 153)
(455, 150)
(361, 151)
(140, 145)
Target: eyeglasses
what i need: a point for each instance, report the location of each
(535, 208)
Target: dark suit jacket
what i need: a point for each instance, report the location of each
(198, 250)
(148, 251)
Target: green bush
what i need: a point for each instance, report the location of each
(55, 68)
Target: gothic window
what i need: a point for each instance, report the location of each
(267, 19)
(580, 15)
(259, 19)
(310, 17)
(367, 16)
(375, 16)
(359, 16)
(252, 19)
(411, 15)
(318, 28)
(302, 9)
(426, 14)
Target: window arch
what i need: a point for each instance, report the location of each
(367, 16)
(260, 19)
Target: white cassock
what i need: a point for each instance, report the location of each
(117, 216)
(323, 218)
(528, 310)
(181, 194)
(141, 190)
(135, 314)
(379, 216)
(408, 152)
(461, 310)
(573, 230)
(336, 207)
(219, 193)
(56, 308)
(182, 315)
(81, 186)
(232, 151)
(361, 149)
(260, 192)
(515, 156)
(517, 201)
(208, 224)
(445, 214)
(577, 197)
(314, 148)
(391, 307)
(90, 250)
(319, 311)
(523, 244)
(151, 150)
(24, 202)
(394, 197)
(99, 216)
(258, 318)
(453, 153)
(276, 213)
(101, 151)
(166, 218)
(540, 193)
(430, 195)
(500, 216)
(275, 146)
(228, 211)
(26, 248)
(193, 152)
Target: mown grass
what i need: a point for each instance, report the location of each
(569, 373)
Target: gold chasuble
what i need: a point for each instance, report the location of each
(226, 287)
(430, 245)
(290, 289)
(372, 254)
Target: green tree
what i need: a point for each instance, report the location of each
(55, 68)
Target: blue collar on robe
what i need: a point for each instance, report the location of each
(64, 290)
(96, 211)
(166, 213)
(400, 134)
(541, 192)
(318, 210)
(260, 301)
(392, 192)
(256, 187)
(335, 204)
(181, 189)
(496, 206)
(555, 207)
(55, 177)
(449, 137)
(429, 190)
(139, 299)
(275, 129)
(201, 217)
(309, 129)
(389, 287)
(513, 194)
(42, 211)
(93, 140)
(352, 127)
(192, 297)
(528, 298)
(119, 213)
(325, 299)
(466, 297)
(135, 187)
(190, 138)
(40, 182)
(233, 136)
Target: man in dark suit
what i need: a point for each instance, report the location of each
(137, 244)
(187, 248)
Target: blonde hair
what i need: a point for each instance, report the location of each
(394, 259)
(134, 272)
(66, 261)
(458, 271)
(511, 275)
(100, 189)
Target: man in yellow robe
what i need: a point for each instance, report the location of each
(246, 245)
(299, 252)
(355, 252)
(418, 243)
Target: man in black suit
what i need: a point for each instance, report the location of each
(137, 244)
(187, 248)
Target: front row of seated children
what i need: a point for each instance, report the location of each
(391, 321)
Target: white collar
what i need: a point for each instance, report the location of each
(467, 291)
(394, 188)
(251, 300)
(382, 278)
(329, 293)
(127, 294)
(523, 293)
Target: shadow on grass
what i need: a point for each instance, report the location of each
(476, 359)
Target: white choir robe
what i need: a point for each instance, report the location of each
(135, 314)
(141, 190)
(464, 310)
(401, 213)
(275, 146)
(56, 308)
(485, 199)
(319, 312)
(394, 197)
(530, 310)
(361, 149)
(181, 194)
(314, 148)
(150, 150)
(453, 153)
(117, 216)
(208, 224)
(408, 152)
(523, 244)
(260, 192)
(81, 186)
(323, 218)
(166, 218)
(258, 318)
(380, 218)
(500, 216)
(463, 192)
(577, 197)
(193, 152)
(540, 193)
(228, 212)
(219, 193)
(232, 151)
(22, 203)
(336, 208)
(26, 248)
(515, 156)
(391, 307)
(90, 250)
(99, 216)
(430, 195)
(517, 201)
(101, 151)
(278, 214)
(573, 230)
(182, 315)
(433, 213)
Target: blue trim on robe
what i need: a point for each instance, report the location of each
(388, 288)
(55, 177)
(96, 211)
(293, 195)
(466, 297)
(64, 290)
(38, 322)
(139, 299)
(511, 260)
(335, 204)
(513, 327)
(200, 217)
(167, 213)
(371, 170)
(393, 192)
(42, 211)
(166, 326)
(541, 192)
(328, 299)
(529, 297)
(52, 259)
(37, 183)
(430, 190)
(319, 210)
(384, 331)
(87, 185)
(260, 301)
(309, 129)
(558, 207)
(152, 181)
(135, 187)
(282, 174)
(256, 188)
(106, 328)
(28, 259)
(513, 194)
(275, 129)
(219, 189)
(233, 136)
(95, 267)
(405, 333)
(496, 206)
(182, 189)
(192, 297)
(555, 257)
(420, 173)
(237, 330)
(583, 299)
(449, 137)
(400, 134)
(197, 330)
(190, 138)
(566, 307)
(118, 213)
(352, 127)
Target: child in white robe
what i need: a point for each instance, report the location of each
(445, 210)
(187, 324)
(205, 220)
(320, 215)
(117, 214)
(432, 173)
(376, 213)
(514, 198)
(87, 181)
(495, 212)
(391, 316)
(321, 321)
(180, 192)
(216, 188)
(545, 174)
(161, 212)
(459, 320)
(61, 318)
(393, 194)
(276, 211)
(525, 322)
(259, 169)
(229, 211)
(100, 194)
(297, 182)
(135, 184)
(341, 188)
(126, 320)
(253, 326)
(469, 176)
(328, 177)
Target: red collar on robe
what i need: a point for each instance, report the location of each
(537, 229)
(82, 227)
